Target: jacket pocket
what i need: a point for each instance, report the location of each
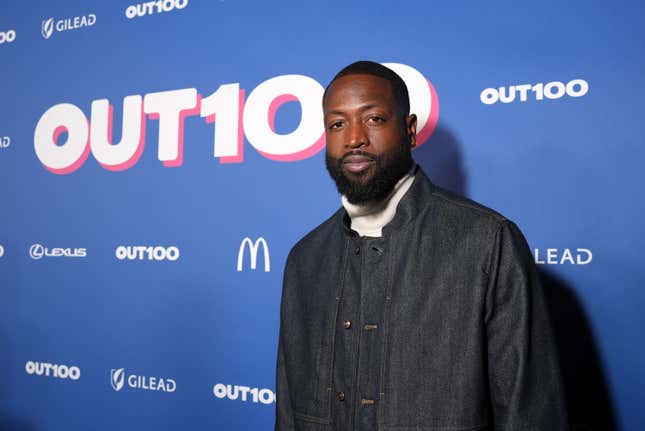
(305, 422)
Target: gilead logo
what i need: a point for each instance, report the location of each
(118, 380)
(64, 136)
(48, 25)
(53, 370)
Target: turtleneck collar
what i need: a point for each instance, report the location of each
(369, 219)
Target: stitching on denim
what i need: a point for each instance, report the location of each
(332, 359)
(485, 211)
(386, 314)
(309, 418)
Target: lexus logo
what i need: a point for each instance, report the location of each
(47, 28)
(117, 378)
(253, 250)
(36, 251)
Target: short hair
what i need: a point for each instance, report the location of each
(365, 67)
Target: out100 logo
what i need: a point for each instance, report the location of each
(235, 117)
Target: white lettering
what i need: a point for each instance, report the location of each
(171, 385)
(552, 90)
(267, 97)
(523, 89)
(132, 381)
(219, 390)
(126, 152)
(151, 7)
(170, 107)
(7, 36)
(266, 396)
(223, 107)
(53, 370)
(581, 252)
(559, 90)
(142, 252)
(58, 119)
(489, 96)
(234, 392)
(581, 256)
(567, 256)
(582, 88)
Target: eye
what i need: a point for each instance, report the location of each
(335, 124)
(375, 119)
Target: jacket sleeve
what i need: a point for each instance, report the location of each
(524, 377)
(284, 411)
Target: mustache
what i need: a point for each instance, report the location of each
(357, 153)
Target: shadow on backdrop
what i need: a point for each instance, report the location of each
(589, 403)
(11, 327)
(7, 421)
(588, 400)
(442, 160)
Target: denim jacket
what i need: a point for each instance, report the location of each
(439, 324)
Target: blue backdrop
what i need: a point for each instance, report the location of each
(124, 303)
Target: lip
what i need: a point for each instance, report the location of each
(357, 163)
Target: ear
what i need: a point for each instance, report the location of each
(411, 129)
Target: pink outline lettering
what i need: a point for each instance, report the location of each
(276, 104)
(142, 140)
(300, 155)
(57, 132)
(239, 158)
(79, 162)
(180, 138)
(431, 124)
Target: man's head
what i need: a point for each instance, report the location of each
(369, 132)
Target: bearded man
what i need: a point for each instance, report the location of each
(410, 308)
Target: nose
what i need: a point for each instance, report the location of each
(357, 137)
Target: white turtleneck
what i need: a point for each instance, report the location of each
(369, 219)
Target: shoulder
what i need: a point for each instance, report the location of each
(437, 208)
(319, 238)
(451, 204)
(469, 225)
(452, 216)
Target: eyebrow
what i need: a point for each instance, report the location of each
(362, 108)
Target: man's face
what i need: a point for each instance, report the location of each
(368, 139)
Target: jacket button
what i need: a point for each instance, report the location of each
(347, 324)
(357, 250)
(340, 396)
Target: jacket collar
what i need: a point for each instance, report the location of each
(409, 207)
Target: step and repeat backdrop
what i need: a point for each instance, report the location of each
(159, 159)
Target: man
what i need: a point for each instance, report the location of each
(410, 308)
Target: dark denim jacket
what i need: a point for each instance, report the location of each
(440, 324)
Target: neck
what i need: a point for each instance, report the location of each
(369, 219)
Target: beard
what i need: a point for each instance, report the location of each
(366, 186)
